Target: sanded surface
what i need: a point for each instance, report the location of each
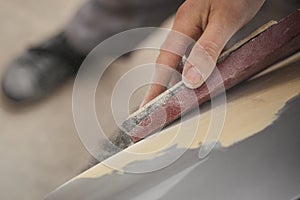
(265, 166)
(252, 108)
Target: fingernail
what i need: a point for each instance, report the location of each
(192, 78)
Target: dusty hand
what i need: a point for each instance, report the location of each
(212, 23)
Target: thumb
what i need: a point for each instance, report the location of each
(203, 57)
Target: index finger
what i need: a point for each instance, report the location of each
(182, 35)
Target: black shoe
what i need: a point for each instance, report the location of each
(41, 69)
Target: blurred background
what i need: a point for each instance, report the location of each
(39, 147)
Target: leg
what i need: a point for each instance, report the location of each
(46, 66)
(100, 19)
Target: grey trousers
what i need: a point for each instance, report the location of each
(97, 20)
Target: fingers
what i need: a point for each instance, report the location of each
(219, 19)
(223, 21)
(183, 33)
(176, 75)
(160, 81)
(202, 60)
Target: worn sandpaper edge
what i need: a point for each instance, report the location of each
(242, 42)
(135, 118)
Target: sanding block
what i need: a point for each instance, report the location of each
(268, 45)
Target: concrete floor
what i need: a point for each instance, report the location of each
(39, 147)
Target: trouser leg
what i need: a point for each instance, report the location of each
(97, 20)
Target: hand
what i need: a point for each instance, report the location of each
(209, 22)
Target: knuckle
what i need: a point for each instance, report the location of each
(182, 12)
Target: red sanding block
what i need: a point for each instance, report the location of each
(247, 59)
